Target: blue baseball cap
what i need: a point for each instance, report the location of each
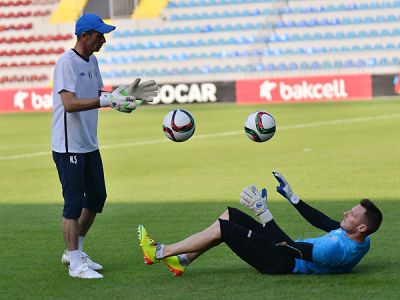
(88, 22)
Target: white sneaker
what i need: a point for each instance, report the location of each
(83, 271)
(91, 264)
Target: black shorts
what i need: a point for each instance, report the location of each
(82, 180)
(252, 243)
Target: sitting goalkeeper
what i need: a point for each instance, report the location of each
(266, 247)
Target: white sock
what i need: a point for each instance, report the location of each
(184, 260)
(75, 258)
(159, 251)
(81, 241)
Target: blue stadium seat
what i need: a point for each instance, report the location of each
(260, 67)
(373, 33)
(326, 65)
(228, 69)
(315, 65)
(383, 62)
(367, 47)
(361, 63)
(395, 61)
(346, 20)
(338, 64)
(369, 19)
(344, 49)
(351, 34)
(340, 35)
(271, 67)
(349, 63)
(282, 67)
(216, 69)
(390, 46)
(362, 33)
(372, 62)
(293, 66)
(304, 65)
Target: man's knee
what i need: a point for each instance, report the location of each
(216, 231)
(224, 215)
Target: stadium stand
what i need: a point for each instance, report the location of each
(29, 47)
(217, 40)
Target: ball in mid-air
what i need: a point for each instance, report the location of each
(178, 125)
(260, 126)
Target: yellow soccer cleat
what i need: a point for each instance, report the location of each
(148, 246)
(174, 265)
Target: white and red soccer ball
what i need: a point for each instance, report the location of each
(179, 125)
(260, 126)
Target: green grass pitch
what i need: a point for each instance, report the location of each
(333, 154)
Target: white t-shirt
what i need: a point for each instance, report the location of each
(72, 73)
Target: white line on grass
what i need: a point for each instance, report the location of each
(213, 135)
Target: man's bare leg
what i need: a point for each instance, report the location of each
(85, 221)
(198, 243)
(70, 231)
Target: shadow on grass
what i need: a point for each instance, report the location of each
(32, 245)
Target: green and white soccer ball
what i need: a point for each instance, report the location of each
(260, 126)
(179, 125)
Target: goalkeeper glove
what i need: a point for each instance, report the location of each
(146, 91)
(119, 100)
(251, 198)
(284, 189)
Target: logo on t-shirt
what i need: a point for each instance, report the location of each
(82, 74)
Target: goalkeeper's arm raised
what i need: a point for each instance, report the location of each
(312, 215)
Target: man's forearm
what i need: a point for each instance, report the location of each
(315, 217)
(81, 105)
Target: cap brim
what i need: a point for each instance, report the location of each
(105, 28)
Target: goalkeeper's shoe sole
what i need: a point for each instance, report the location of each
(148, 246)
(174, 265)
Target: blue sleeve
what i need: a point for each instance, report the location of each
(327, 252)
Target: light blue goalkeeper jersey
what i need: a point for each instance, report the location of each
(333, 252)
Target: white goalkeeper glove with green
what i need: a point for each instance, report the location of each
(284, 189)
(251, 198)
(119, 100)
(145, 91)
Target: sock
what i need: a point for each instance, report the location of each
(266, 216)
(184, 260)
(159, 251)
(75, 259)
(81, 241)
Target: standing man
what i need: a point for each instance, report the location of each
(77, 96)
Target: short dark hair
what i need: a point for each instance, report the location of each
(373, 216)
(89, 32)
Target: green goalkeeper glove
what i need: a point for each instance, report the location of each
(119, 100)
(146, 91)
(251, 198)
